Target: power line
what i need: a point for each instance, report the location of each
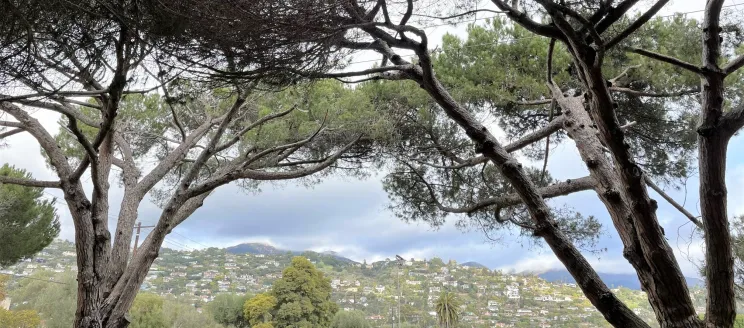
(32, 278)
(187, 238)
(178, 244)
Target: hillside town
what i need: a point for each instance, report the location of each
(380, 289)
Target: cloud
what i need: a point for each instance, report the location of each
(537, 264)
(690, 255)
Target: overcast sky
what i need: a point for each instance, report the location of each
(350, 217)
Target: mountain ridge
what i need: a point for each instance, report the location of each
(627, 280)
(266, 249)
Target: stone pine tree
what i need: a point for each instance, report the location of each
(141, 112)
(28, 222)
(588, 109)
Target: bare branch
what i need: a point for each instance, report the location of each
(469, 12)
(614, 15)
(518, 144)
(547, 144)
(733, 121)
(252, 126)
(247, 173)
(175, 156)
(676, 205)
(226, 120)
(523, 19)
(364, 72)
(29, 182)
(666, 59)
(62, 109)
(623, 73)
(536, 102)
(408, 13)
(637, 24)
(90, 151)
(9, 133)
(654, 94)
(46, 141)
(54, 93)
(555, 190)
(733, 65)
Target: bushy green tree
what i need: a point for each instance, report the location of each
(258, 309)
(54, 301)
(264, 325)
(19, 319)
(147, 312)
(180, 315)
(227, 309)
(300, 298)
(350, 319)
(28, 223)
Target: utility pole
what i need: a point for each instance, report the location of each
(400, 261)
(136, 237)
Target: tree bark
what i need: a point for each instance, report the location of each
(614, 310)
(712, 145)
(610, 190)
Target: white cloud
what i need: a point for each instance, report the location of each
(690, 255)
(536, 264)
(735, 186)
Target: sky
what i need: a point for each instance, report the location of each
(350, 216)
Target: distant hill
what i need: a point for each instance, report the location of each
(612, 280)
(474, 265)
(259, 248)
(254, 248)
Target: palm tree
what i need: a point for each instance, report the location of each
(446, 309)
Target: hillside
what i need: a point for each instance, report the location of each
(254, 248)
(490, 298)
(474, 265)
(264, 249)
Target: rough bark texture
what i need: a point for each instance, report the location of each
(108, 280)
(614, 311)
(712, 144)
(610, 190)
(618, 180)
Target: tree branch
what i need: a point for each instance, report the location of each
(252, 126)
(526, 140)
(733, 120)
(666, 59)
(523, 19)
(676, 205)
(555, 190)
(11, 132)
(469, 12)
(54, 93)
(733, 65)
(643, 19)
(654, 94)
(29, 182)
(614, 15)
